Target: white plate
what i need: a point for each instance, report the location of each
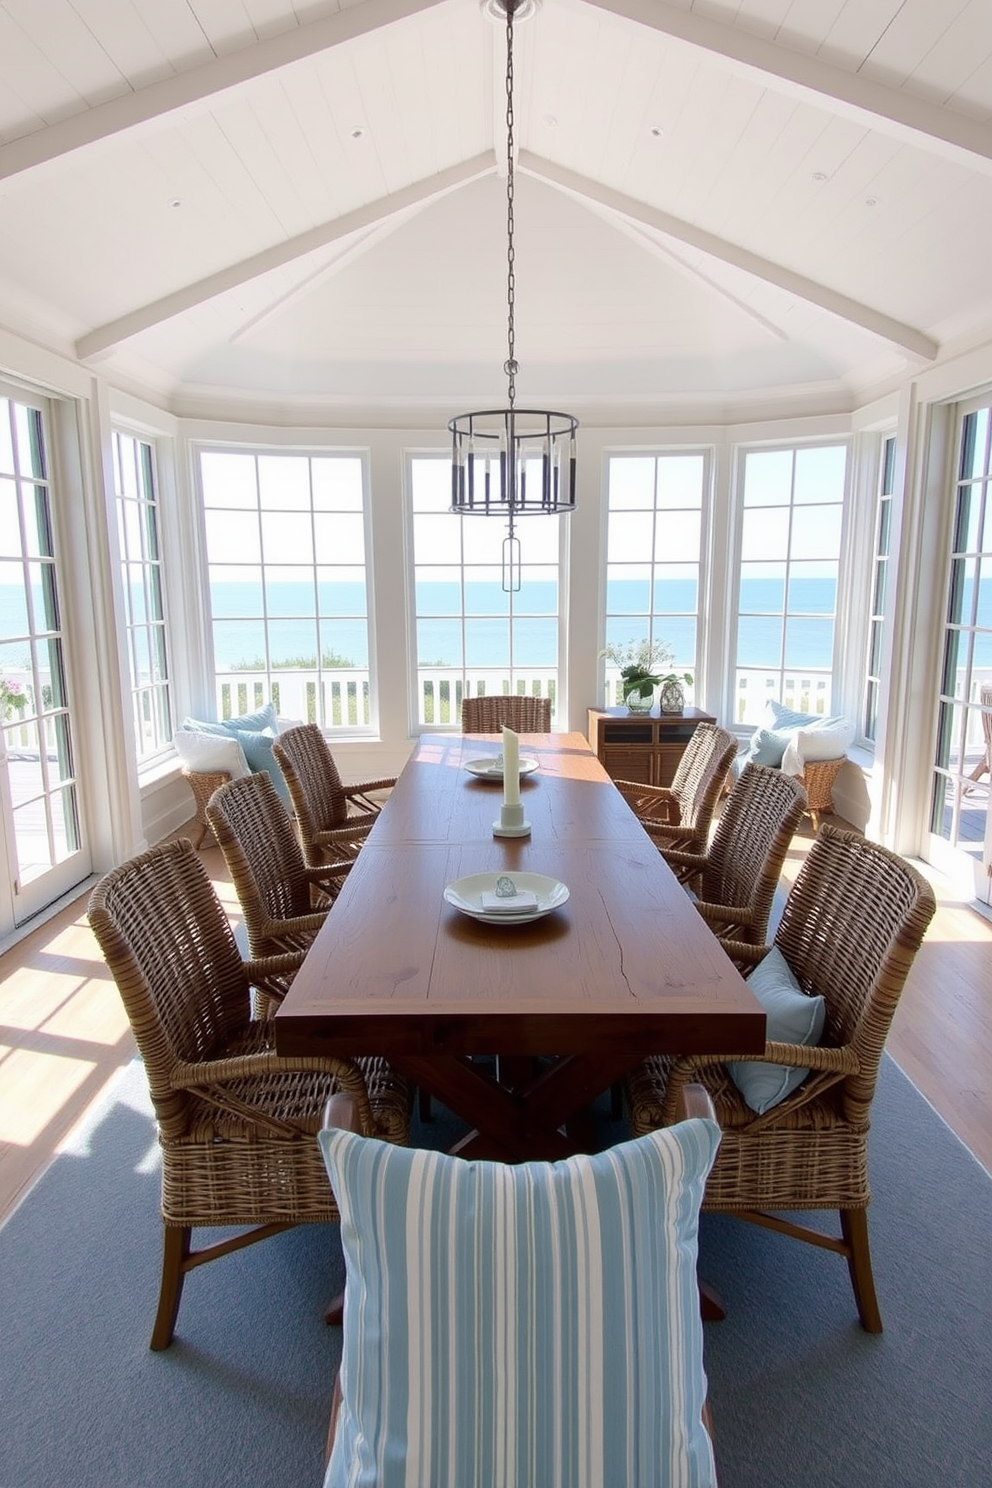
(465, 894)
(491, 769)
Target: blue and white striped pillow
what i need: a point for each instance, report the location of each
(534, 1326)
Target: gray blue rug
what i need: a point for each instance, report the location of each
(800, 1394)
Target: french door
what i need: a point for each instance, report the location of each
(960, 840)
(42, 849)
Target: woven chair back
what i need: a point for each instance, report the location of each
(851, 927)
(487, 715)
(168, 944)
(700, 777)
(758, 822)
(315, 789)
(255, 834)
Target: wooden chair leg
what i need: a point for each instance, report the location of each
(175, 1253)
(854, 1227)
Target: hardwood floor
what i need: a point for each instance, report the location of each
(63, 1032)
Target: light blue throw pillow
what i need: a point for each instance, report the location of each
(258, 752)
(768, 747)
(781, 717)
(528, 1326)
(257, 722)
(791, 1018)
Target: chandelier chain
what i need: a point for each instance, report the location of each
(511, 364)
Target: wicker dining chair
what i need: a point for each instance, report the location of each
(489, 714)
(735, 879)
(284, 902)
(678, 816)
(237, 1124)
(332, 819)
(850, 930)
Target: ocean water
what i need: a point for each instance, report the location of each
(485, 638)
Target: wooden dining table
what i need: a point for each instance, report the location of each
(624, 968)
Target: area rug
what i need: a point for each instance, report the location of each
(800, 1394)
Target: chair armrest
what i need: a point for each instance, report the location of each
(296, 932)
(359, 791)
(738, 915)
(649, 802)
(694, 1100)
(330, 836)
(208, 1079)
(341, 1112)
(828, 1065)
(694, 862)
(745, 957)
(323, 874)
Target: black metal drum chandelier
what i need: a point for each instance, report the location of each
(512, 462)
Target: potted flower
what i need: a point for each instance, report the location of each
(13, 699)
(641, 664)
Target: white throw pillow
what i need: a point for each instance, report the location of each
(206, 753)
(826, 739)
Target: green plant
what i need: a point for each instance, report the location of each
(685, 677)
(639, 663)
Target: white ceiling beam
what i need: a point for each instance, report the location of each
(582, 188)
(103, 338)
(911, 119)
(200, 84)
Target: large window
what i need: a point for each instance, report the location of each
(653, 549)
(959, 809)
(879, 589)
(41, 839)
(286, 553)
(472, 636)
(793, 504)
(143, 589)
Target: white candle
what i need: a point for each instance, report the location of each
(511, 768)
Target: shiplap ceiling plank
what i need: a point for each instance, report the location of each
(807, 23)
(977, 87)
(200, 85)
(176, 31)
(905, 336)
(762, 17)
(226, 24)
(38, 77)
(104, 337)
(873, 102)
(913, 32)
(951, 62)
(56, 33)
(856, 31)
(130, 48)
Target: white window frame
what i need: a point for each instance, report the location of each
(318, 691)
(463, 680)
(822, 698)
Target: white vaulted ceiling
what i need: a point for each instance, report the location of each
(298, 210)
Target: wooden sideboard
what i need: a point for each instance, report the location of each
(642, 747)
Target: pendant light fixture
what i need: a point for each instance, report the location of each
(512, 462)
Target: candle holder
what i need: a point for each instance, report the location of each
(511, 822)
